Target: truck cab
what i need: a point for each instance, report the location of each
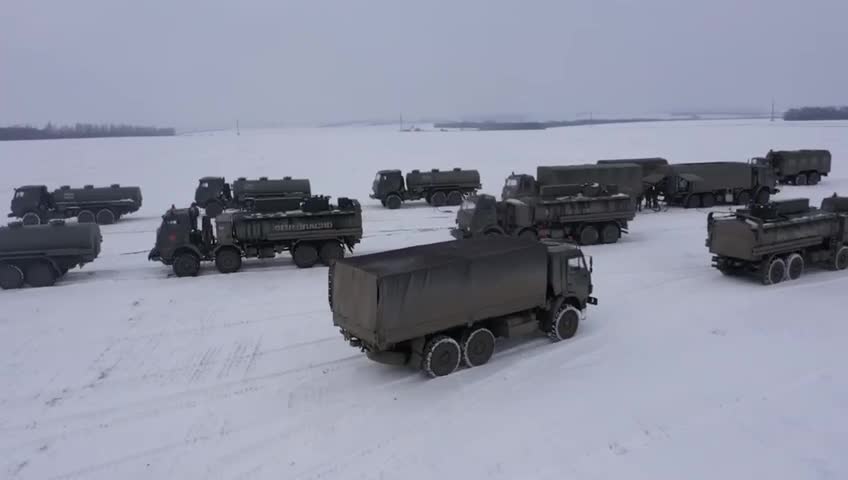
(212, 190)
(178, 232)
(387, 182)
(476, 215)
(31, 203)
(765, 175)
(518, 185)
(569, 275)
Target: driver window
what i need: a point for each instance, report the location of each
(204, 185)
(19, 194)
(575, 263)
(682, 184)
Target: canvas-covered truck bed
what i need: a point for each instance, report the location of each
(799, 167)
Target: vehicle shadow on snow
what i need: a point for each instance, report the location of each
(417, 205)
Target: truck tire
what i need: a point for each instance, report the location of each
(305, 255)
(441, 356)
(86, 216)
(707, 200)
(393, 202)
(692, 201)
(40, 274)
(528, 234)
(438, 199)
(794, 266)
(330, 252)
(774, 272)
(105, 217)
(478, 345)
(455, 198)
(743, 198)
(564, 323)
(11, 277)
(493, 232)
(213, 208)
(228, 260)
(840, 260)
(801, 179)
(588, 235)
(186, 264)
(610, 233)
(813, 178)
(31, 218)
(763, 197)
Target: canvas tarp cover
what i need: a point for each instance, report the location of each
(393, 296)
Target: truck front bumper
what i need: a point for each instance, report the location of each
(459, 233)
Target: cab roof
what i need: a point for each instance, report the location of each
(31, 187)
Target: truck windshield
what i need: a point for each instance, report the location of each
(511, 182)
(576, 263)
(20, 194)
(204, 184)
(378, 178)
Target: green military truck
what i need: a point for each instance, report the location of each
(35, 205)
(437, 187)
(214, 194)
(435, 306)
(582, 213)
(39, 255)
(318, 231)
(778, 240)
(627, 177)
(696, 185)
(798, 167)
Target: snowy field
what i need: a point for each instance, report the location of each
(123, 371)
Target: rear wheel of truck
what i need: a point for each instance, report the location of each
(40, 274)
(813, 178)
(455, 198)
(228, 260)
(763, 197)
(588, 235)
(441, 356)
(564, 323)
(528, 234)
(393, 202)
(305, 255)
(105, 217)
(840, 261)
(801, 179)
(186, 264)
(693, 201)
(707, 200)
(611, 233)
(31, 218)
(794, 266)
(743, 198)
(86, 216)
(774, 272)
(478, 345)
(11, 277)
(493, 232)
(330, 252)
(438, 199)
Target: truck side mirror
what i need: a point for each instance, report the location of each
(591, 264)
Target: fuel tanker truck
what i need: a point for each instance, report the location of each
(34, 204)
(437, 187)
(434, 307)
(38, 255)
(316, 232)
(214, 194)
(777, 241)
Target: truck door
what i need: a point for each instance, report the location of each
(578, 278)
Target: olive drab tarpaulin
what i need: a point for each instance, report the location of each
(54, 238)
(393, 296)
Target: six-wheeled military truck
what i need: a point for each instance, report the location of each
(798, 167)
(214, 194)
(587, 214)
(38, 255)
(777, 240)
(437, 187)
(436, 306)
(627, 177)
(318, 231)
(34, 204)
(695, 185)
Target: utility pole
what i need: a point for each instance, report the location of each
(401, 122)
(772, 109)
(238, 131)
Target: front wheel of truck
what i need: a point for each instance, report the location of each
(441, 356)
(564, 323)
(11, 276)
(186, 264)
(840, 261)
(393, 202)
(31, 218)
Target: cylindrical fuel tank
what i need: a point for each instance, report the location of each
(89, 193)
(46, 238)
(274, 187)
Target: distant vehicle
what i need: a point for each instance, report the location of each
(695, 185)
(434, 306)
(437, 187)
(318, 231)
(583, 213)
(778, 240)
(214, 194)
(798, 167)
(38, 255)
(627, 177)
(35, 205)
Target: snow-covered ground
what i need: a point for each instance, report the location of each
(121, 371)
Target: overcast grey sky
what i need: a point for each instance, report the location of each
(202, 63)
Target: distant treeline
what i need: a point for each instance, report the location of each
(536, 125)
(817, 113)
(81, 130)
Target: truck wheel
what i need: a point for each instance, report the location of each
(564, 323)
(11, 277)
(228, 260)
(393, 202)
(186, 265)
(478, 345)
(763, 197)
(743, 198)
(493, 232)
(330, 252)
(801, 179)
(213, 209)
(610, 233)
(305, 255)
(455, 198)
(40, 274)
(85, 216)
(794, 266)
(707, 200)
(105, 217)
(31, 218)
(813, 178)
(840, 261)
(438, 199)
(774, 272)
(441, 356)
(693, 201)
(588, 235)
(528, 234)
